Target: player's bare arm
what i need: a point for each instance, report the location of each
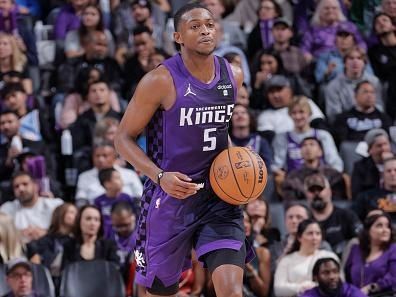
(154, 91)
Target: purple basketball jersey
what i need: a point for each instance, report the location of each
(195, 130)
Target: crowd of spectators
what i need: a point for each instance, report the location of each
(316, 105)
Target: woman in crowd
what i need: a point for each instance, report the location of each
(10, 242)
(326, 21)
(13, 63)
(243, 133)
(287, 146)
(48, 250)
(261, 35)
(88, 243)
(91, 20)
(371, 264)
(294, 272)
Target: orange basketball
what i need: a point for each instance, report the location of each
(238, 175)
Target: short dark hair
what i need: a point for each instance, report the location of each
(141, 29)
(100, 80)
(361, 83)
(8, 111)
(376, 17)
(184, 9)
(105, 175)
(314, 139)
(19, 174)
(120, 206)
(319, 262)
(12, 87)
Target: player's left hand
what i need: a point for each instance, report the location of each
(178, 185)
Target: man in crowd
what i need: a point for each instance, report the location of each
(326, 272)
(32, 214)
(20, 278)
(338, 224)
(367, 172)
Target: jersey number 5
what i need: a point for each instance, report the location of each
(210, 140)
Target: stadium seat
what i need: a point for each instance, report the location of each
(277, 213)
(97, 278)
(4, 289)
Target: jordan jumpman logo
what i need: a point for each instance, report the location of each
(189, 91)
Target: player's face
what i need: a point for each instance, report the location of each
(197, 32)
(380, 231)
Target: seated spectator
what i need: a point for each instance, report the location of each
(380, 197)
(233, 34)
(312, 154)
(295, 213)
(293, 275)
(261, 35)
(13, 62)
(20, 278)
(382, 58)
(330, 63)
(243, 94)
(367, 172)
(326, 273)
(83, 128)
(287, 146)
(339, 225)
(34, 123)
(75, 103)
(91, 20)
(104, 156)
(371, 264)
(339, 93)
(15, 21)
(48, 249)
(257, 276)
(223, 47)
(32, 214)
(123, 221)
(267, 64)
(352, 125)
(243, 133)
(13, 144)
(133, 14)
(11, 243)
(122, 224)
(292, 56)
(105, 130)
(144, 45)
(321, 35)
(280, 96)
(88, 242)
(110, 180)
(68, 19)
(96, 54)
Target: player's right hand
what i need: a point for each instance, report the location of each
(178, 185)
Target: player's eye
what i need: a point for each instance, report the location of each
(211, 25)
(195, 27)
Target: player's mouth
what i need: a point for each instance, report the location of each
(206, 40)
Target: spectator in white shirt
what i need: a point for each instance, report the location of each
(105, 156)
(32, 214)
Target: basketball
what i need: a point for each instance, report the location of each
(238, 175)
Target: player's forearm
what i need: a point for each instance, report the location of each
(127, 147)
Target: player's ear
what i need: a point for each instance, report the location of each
(177, 38)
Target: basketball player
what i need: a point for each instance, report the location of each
(186, 104)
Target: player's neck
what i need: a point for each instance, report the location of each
(200, 66)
